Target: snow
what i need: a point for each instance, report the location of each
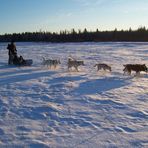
(41, 107)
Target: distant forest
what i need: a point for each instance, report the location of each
(139, 35)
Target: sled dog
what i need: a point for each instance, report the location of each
(50, 62)
(135, 67)
(102, 66)
(74, 63)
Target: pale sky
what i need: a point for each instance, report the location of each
(55, 15)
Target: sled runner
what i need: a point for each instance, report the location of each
(28, 62)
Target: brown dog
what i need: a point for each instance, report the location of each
(135, 67)
(102, 66)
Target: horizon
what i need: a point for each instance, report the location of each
(55, 16)
(77, 31)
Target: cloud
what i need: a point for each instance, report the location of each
(90, 2)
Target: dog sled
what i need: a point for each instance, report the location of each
(20, 61)
(25, 62)
(28, 62)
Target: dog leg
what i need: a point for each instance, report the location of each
(125, 72)
(68, 68)
(137, 73)
(98, 68)
(50, 66)
(76, 68)
(110, 69)
(55, 66)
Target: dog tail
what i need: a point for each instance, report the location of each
(95, 65)
(43, 58)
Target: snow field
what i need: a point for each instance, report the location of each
(41, 107)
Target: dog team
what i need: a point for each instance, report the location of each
(128, 68)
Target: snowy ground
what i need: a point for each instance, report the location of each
(43, 108)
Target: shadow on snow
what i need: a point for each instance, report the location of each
(99, 85)
(24, 77)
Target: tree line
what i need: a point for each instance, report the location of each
(139, 35)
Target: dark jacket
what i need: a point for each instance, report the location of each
(12, 49)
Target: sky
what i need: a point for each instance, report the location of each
(17, 16)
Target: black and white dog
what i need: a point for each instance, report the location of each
(50, 62)
(74, 63)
